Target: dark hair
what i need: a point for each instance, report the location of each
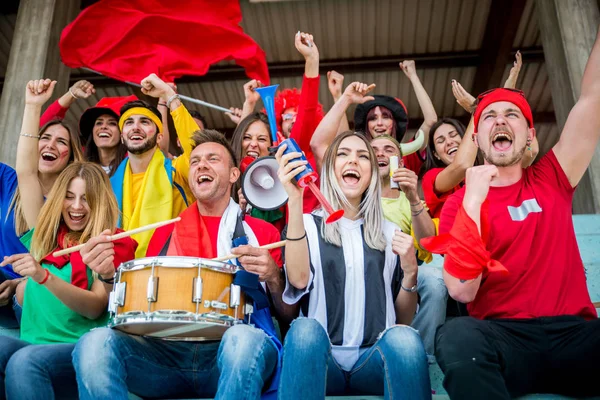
(431, 161)
(92, 154)
(212, 136)
(140, 103)
(196, 114)
(238, 134)
(385, 112)
(238, 138)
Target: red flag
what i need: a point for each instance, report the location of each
(130, 39)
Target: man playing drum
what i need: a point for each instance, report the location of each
(244, 364)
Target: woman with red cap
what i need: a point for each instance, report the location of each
(99, 130)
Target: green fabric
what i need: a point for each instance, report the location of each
(45, 318)
(269, 216)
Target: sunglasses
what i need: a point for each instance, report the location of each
(482, 95)
(288, 116)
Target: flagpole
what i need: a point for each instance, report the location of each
(182, 97)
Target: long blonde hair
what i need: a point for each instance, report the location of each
(370, 206)
(104, 211)
(75, 154)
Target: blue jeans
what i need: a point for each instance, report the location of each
(395, 366)
(432, 308)
(109, 363)
(36, 371)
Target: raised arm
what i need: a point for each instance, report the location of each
(57, 110)
(251, 97)
(580, 135)
(32, 199)
(429, 114)
(355, 93)
(185, 126)
(335, 83)
(511, 81)
(297, 262)
(307, 118)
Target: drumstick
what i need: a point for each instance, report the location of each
(266, 246)
(118, 236)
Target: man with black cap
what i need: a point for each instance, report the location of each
(512, 256)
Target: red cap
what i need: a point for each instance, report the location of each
(514, 96)
(106, 105)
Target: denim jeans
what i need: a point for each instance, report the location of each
(395, 366)
(432, 307)
(109, 363)
(36, 371)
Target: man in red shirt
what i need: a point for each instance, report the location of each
(512, 256)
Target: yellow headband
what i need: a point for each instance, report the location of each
(140, 111)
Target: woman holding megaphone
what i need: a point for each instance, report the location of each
(349, 339)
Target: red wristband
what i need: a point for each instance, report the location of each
(45, 278)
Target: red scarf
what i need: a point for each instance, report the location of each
(190, 236)
(466, 256)
(124, 251)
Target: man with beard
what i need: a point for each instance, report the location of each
(150, 187)
(403, 207)
(512, 256)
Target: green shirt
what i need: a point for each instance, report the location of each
(45, 318)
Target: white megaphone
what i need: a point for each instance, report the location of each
(261, 187)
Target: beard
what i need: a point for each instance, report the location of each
(505, 160)
(149, 144)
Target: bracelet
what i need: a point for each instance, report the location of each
(416, 214)
(45, 278)
(31, 136)
(416, 204)
(296, 239)
(108, 281)
(409, 290)
(175, 96)
(71, 93)
(163, 104)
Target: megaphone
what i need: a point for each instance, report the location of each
(266, 190)
(307, 178)
(260, 185)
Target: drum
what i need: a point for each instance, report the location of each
(179, 298)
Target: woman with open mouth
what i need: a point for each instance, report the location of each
(49, 150)
(63, 297)
(355, 281)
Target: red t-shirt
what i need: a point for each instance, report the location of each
(413, 162)
(532, 235)
(434, 201)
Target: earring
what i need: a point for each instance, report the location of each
(529, 148)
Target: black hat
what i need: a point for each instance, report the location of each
(396, 106)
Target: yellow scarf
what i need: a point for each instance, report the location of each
(154, 202)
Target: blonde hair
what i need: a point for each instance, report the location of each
(370, 206)
(104, 211)
(75, 154)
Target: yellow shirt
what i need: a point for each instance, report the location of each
(398, 212)
(136, 187)
(185, 127)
